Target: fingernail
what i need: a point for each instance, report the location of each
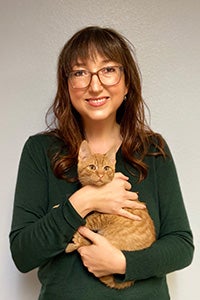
(137, 218)
(81, 229)
(142, 205)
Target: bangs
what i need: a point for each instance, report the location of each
(88, 43)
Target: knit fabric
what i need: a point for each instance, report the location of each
(40, 233)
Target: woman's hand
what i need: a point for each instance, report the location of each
(115, 196)
(101, 258)
(110, 198)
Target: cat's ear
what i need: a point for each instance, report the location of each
(111, 155)
(84, 150)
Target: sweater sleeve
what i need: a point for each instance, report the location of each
(174, 248)
(38, 233)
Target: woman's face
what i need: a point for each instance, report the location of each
(97, 102)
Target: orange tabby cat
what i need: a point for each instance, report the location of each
(123, 233)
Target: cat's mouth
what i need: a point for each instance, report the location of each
(99, 182)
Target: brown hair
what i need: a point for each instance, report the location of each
(137, 135)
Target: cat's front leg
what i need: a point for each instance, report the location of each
(94, 223)
(78, 241)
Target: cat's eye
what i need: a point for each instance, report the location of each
(107, 168)
(92, 167)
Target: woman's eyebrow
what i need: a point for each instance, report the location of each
(79, 65)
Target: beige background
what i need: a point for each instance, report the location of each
(166, 35)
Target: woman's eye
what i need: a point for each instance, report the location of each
(79, 73)
(109, 69)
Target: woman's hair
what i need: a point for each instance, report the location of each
(137, 135)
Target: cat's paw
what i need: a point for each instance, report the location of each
(71, 247)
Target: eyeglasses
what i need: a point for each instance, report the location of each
(108, 76)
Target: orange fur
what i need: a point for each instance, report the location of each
(123, 233)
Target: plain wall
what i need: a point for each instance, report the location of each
(166, 35)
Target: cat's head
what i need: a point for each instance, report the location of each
(95, 168)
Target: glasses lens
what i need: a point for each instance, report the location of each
(110, 75)
(80, 78)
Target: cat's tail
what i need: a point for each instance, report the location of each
(110, 282)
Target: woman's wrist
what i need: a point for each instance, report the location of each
(80, 200)
(121, 267)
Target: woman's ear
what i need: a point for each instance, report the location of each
(126, 89)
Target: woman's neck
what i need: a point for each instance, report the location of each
(101, 136)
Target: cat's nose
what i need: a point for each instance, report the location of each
(100, 175)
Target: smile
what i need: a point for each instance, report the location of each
(97, 101)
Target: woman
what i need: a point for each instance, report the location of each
(99, 99)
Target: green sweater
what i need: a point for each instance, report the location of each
(40, 234)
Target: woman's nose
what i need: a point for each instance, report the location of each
(95, 83)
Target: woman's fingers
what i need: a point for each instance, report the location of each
(126, 214)
(101, 258)
(133, 203)
(119, 175)
(132, 196)
(89, 234)
(127, 185)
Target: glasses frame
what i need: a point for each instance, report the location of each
(121, 68)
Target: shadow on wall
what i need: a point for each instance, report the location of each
(172, 284)
(28, 285)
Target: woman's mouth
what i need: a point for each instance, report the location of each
(96, 102)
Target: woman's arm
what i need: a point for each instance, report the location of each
(174, 247)
(172, 251)
(39, 233)
(111, 198)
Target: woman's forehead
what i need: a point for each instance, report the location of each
(98, 59)
(86, 53)
(92, 56)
